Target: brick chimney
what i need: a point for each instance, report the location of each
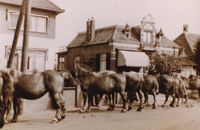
(185, 28)
(90, 30)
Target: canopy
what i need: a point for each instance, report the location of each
(133, 59)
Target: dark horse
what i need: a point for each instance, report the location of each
(174, 86)
(150, 86)
(34, 86)
(194, 83)
(104, 82)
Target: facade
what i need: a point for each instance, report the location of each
(187, 41)
(118, 48)
(42, 42)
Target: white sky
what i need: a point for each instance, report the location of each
(170, 15)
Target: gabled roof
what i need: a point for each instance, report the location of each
(188, 42)
(104, 35)
(38, 4)
(165, 42)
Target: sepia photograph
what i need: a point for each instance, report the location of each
(99, 65)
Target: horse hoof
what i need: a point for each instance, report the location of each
(147, 105)
(139, 109)
(13, 121)
(87, 111)
(163, 106)
(154, 106)
(82, 111)
(63, 117)
(109, 109)
(123, 110)
(171, 105)
(130, 108)
(54, 120)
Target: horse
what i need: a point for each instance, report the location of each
(150, 86)
(174, 86)
(7, 90)
(134, 82)
(2, 110)
(194, 83)
(34, 86)
(104, 82)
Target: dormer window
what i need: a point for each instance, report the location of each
(127, 31)
(148, 37)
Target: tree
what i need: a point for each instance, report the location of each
(163, 64)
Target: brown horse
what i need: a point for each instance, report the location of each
(150, 86)
(2, 110)
(34, 86)
(134, 82)
(104, 82)
(174, 86)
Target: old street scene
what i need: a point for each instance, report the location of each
(96, 65)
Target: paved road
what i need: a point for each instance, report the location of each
(181, 118)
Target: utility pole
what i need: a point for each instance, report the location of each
(24, 60)
(16, 35)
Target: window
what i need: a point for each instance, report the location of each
(102, 62)
(36, 59)
(148, 37)
(38, 23)
(77, 60)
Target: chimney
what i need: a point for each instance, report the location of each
(90, 30)
(185, 28)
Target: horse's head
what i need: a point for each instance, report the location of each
(68, 79)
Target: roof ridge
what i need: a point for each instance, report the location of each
(101, 28)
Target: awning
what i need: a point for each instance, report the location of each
(133, 59)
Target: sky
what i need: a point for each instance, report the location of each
(170, 15)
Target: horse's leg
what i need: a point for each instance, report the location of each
(130, 99)
(123, 96)
(113, 100)
(146, 98)
(155, 102)
(109, 101)
(89, 102)
(85, 96)
(178, 99)
(141, 100)
(172, 104)
(199, 94)
(166, 99)
(15, 108)
(60, 106)
(8, 109)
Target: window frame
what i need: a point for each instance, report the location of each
(32, 15)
